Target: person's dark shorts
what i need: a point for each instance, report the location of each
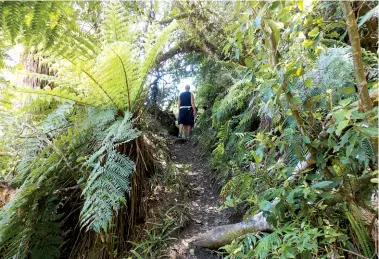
(186, 116)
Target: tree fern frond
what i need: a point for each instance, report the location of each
(109, 180)
(333, 71)
(39, 22)
(14, 19)
(126, 80)
(111, 75)
(106, 190)
(150, 59)
(89, 73)
(57, 119)
(236, 98)
(59, 94)
(117, 66)
(115, 21)
(369, 151)
(98, 119)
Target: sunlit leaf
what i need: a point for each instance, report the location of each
(307, 43)
(308, 82)
(333, 34)
(341, 126)
(347, 90)
(314, 32)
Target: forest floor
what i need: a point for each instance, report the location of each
(203, 201)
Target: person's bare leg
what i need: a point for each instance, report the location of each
(181, 130)
(188, 128)
(184, 132)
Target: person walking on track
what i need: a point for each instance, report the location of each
(187, 112)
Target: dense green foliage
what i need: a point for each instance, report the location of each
(280, 114)
(78, 130)
(262, 122)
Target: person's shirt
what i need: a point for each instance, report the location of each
(185, 99)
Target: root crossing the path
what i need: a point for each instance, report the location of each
(203, 201)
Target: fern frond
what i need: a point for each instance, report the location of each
(236, 97)
(116, 23)
(39, 22)
(368, 150)
(149, 60)
(360, 231)
(333, 71)
(14, 18)
(270, 242)
(106, 190)
(108, 182)
(110, 75)
(57, 119)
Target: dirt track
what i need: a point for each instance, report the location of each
(203, 204)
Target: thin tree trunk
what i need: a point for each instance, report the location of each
(359, 71)
(274, 49)
(352, 29)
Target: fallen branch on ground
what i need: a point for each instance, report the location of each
(223, 235)
(7, 154)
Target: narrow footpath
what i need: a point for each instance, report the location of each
(203, 204)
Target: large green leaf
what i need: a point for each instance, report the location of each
(322, 184)
(372, 13)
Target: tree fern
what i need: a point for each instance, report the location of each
(47, 164)
(97, 80)
(108, 182)
(30, 20)
(112, 76)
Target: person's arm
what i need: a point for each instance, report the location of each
(193, 104)
(179, 102)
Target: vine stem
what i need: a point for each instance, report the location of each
(353, 253)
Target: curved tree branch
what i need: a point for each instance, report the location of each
(176, 17)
